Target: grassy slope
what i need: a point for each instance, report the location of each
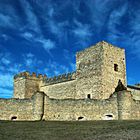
(84, 130)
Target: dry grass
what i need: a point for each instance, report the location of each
(84, 130)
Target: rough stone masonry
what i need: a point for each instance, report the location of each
(97, 90)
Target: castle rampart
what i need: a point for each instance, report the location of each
(80, 109)
(16, 109)
(59, 79)
(22, 109)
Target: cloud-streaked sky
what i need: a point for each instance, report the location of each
(43, 36)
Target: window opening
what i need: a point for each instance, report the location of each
(115, 67)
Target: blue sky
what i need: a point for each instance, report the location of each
(44, 35)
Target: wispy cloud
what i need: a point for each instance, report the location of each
(5, 20)
(32, 20)
(30, 28)
(135, 33)
(5, 58)
(47, 44)
(30, 61)
(53, 68)
(27, 35)
(82, 30)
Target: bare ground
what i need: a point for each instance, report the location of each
(84, 130)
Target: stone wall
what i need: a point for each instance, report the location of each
(62, 90)
(120, 105)
(60, 87)
(135, 91)
(135, 110)
(80, 109)
(128, 107)
(22, 109)
(124, 99)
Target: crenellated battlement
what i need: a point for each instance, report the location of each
(27, 74)
(60, 78)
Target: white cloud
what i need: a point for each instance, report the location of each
(47, 44)
(53, 68)
(5, 61)
(82, 33)
(27, 35)
(54, 28)
(8, 17)
(82, 30)
(31, 17)
(98, 10)
(30, 61)
(115, 18)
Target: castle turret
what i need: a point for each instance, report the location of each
(99, 69)
(26, 84)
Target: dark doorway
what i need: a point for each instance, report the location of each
(13, 118)
(89, 96)
(80, 118)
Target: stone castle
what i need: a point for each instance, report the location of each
(96, 91)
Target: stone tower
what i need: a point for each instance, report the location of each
(25, 85)
(99, 69)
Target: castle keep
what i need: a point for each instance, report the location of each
(97, 90)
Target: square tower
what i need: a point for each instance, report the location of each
(99, 69)
(25, 85)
